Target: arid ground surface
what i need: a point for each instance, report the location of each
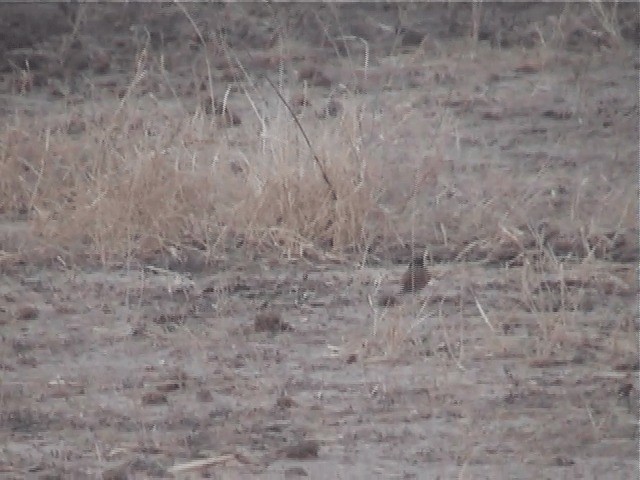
(183, 296)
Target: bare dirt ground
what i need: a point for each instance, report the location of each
(176, 302)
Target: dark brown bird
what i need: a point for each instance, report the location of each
(416, 277)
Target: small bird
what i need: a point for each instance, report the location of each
(409, 37)
(416, 277)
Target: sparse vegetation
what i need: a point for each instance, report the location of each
(190, 261)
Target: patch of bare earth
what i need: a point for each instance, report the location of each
(189, 290)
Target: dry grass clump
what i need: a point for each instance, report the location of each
(132, 193)
(99, 199)
(292, 207)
